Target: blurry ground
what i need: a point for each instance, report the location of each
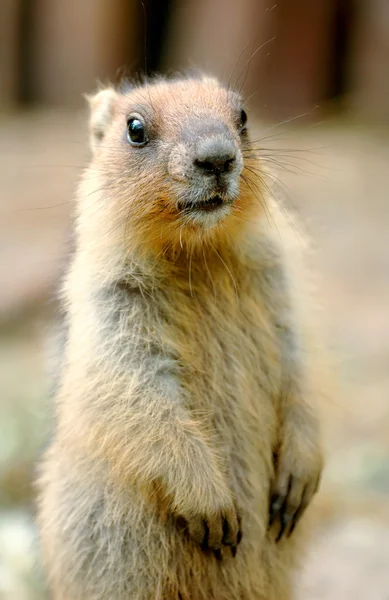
(340, 187)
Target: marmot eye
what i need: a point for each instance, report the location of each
(243, 119)
(136, 134)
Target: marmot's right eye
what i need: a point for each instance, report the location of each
(136, 134)
(243, 120)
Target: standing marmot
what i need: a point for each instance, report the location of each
(184, 404)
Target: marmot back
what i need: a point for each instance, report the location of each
(186, 447)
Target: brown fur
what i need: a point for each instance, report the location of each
(189, 376)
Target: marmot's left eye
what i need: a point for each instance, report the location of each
(136, 134)
(243, 119)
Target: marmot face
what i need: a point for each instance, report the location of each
(171, 155)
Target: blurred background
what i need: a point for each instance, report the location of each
(316, 77)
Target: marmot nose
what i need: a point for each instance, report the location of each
(215, 156)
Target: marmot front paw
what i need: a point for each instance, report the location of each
(297, 480)
(212, 532)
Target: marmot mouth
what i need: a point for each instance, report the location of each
(208, 205)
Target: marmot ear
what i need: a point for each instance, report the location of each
(102, 110)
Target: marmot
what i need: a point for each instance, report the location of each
(186, 444)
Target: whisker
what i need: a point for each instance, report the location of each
(228, 271)
(251, 58)
(260, 175)
(291, 167)
(190, 272)
(31, 208)
(249, 182)
(291, 119)
(237, 62)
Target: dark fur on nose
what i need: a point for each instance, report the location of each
(215, 156)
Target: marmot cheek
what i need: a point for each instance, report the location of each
(179, 163)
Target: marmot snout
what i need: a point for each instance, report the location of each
(208, 164)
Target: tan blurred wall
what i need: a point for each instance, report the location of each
(370, 68)
(57, 49)
(290, 43)
(75, 42)
(298, 68)
(9, 52)
(210, 34)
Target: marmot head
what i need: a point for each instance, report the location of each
(169, 156)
